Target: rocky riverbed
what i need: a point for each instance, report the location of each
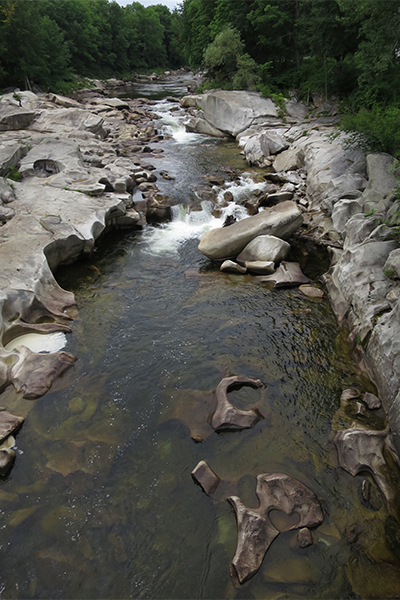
(348, 202)
(83, 166)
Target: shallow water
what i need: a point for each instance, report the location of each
(101, 503)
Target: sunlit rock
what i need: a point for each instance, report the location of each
(264, 248)
(229, 266)
(280, 221)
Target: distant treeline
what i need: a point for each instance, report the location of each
(49, 42)
(345, 47)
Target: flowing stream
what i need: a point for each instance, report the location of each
(101, 502)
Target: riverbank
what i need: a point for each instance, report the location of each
(349, 202)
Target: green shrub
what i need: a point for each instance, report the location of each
(375, 130)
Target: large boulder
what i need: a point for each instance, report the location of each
(264, 248)
(14, 118)
(235, 111)
(381, 183)
(281, 221)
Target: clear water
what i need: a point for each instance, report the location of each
(101, 503)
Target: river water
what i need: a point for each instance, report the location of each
(101, 502)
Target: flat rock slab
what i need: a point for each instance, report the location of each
(9, 423)
(255, 530)
(288, 274)
(13, 118)
(235, 111)
(311, 292)
(280, 221)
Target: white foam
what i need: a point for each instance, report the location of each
(173, 125)
(38, 342)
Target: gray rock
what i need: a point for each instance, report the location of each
(289, 160)
(13, 118)
(304, 538)
(6, 191)
(297, 110)
(276, 198)
(372, 401)
(199, 125)
(232, 112)
(260, 267)
(381, 182)
(363, 449)
(311, 292)
(288, 274)
(392, 265)
(281, 221)
(65, 121)
(228, 266)
(63, 101)
(6, 214)
(191, 101)
(7, 458)
(357, 285)
(9, 423)
(264, 248)
(342, 211)
(10, 155)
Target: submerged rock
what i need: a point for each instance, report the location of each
(9, 423)
(255, 530)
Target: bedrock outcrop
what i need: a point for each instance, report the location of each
(76, 165)
(348, 202)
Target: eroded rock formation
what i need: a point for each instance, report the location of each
(255, 530)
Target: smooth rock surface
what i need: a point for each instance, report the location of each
(289, 274)
(232, 112)
(255, 530)
(264, 248)
(206, 478)
(227, 416)
(281, 221)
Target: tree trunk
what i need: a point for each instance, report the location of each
(326, 77)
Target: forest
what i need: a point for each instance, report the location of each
(343, 49)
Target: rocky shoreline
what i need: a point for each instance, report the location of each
(79, 162)
(348, 202)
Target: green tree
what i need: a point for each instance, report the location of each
(226, 64)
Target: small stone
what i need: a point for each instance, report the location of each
(304, 537)
(371, 494)
(198, 439)
(260, 267)
(229, 266)
(360, 409)
(311, 292)
(372, 401)
(206, 477)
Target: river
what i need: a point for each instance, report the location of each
(101, 502)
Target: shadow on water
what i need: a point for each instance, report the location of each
(101, 503)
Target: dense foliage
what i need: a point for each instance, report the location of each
(48, 42)
(348, 49)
